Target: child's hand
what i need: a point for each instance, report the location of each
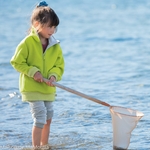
(38, 77)
(49, 82)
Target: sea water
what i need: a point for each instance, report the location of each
(107, 55)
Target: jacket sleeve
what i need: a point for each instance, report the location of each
(19, 61)
(58, 68)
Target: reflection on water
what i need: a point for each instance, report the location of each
(106, 49)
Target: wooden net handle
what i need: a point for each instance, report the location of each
(79, 93)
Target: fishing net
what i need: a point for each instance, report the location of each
(124, 120)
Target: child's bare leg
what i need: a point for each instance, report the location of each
(45, 133)
(36, 136)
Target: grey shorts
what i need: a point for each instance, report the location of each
(41, 112)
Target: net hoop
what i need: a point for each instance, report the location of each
(134, 113)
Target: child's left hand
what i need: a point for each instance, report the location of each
(51, 79)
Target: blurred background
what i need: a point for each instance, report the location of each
(107, 55)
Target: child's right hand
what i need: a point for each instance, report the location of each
(38, 77)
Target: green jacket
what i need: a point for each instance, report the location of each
(29, 58)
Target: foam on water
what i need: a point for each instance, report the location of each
(106, 49)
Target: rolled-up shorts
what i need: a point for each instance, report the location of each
(41, 112)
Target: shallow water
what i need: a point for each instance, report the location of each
(106, 49)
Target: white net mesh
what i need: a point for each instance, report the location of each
(124, 120)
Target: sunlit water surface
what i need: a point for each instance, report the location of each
(107, 53)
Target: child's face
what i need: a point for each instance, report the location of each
(46, 31)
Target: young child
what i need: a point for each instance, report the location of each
(39, 56)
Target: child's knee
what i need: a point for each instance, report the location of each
(50, 114)
(39, 114)
(40, 119)
(50, 111)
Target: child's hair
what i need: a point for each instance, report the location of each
(44, 15)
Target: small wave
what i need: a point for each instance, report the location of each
(120, 39)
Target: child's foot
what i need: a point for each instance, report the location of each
(28, 148)
(45, 147)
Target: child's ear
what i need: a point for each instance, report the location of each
(36, 24)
